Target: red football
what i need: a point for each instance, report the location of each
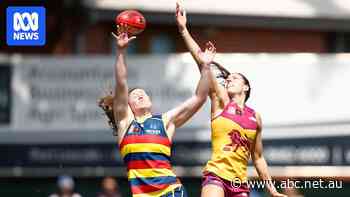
(133, 19)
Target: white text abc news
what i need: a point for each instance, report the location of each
(23, 31)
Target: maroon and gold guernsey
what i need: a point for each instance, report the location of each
(233, 133)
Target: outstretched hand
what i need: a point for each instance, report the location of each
(122, 38)
(208, 55)
(180, 15)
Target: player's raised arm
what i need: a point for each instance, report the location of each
(216, 90)
(193, 47)
(121, 108)
(182, 113)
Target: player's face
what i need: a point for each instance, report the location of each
(235, 84)
(138, 99)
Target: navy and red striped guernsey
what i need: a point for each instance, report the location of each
(146, 151)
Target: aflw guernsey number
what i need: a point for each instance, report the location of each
(233, 133)
(146, 151)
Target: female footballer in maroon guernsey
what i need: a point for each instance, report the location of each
(235, 129)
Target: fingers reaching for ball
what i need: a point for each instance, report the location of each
(209, 46)
(208, 55)
(122, 38)
(179, 8)
(131, 21)
(180, 16)
(122, 29)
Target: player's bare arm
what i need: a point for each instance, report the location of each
(181, 114)
(260, 162)
(122, 112)
(216, 90)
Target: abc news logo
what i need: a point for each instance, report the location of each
(32, 25)
(26, 26)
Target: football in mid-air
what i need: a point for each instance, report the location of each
(134, 20)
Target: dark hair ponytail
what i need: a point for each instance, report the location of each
(226, 73)
(246, 82)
